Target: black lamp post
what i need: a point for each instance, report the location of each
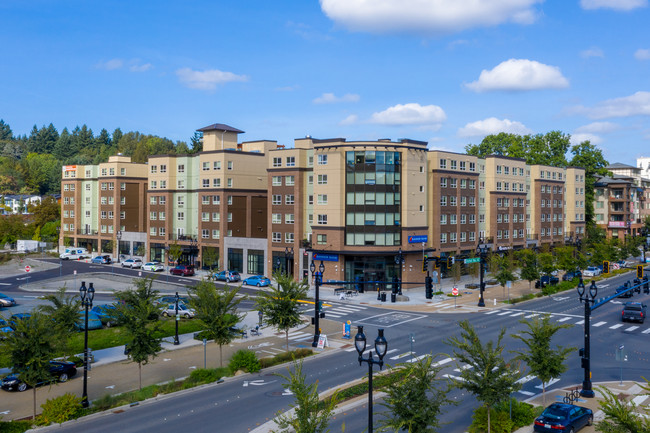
(288, 259)
(176, 319)
(482, 251)
(318, 279)
(58, 239)
(644, 233)
(399, 260)
(588, 298)
(381, 345)
(194, 242)
(118, 235)
(87, 296)
(278, 265)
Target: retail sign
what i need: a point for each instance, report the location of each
(326, 257)
(69, 168)
(617, 224)
(418, 239)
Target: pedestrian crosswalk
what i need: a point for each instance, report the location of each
(335, 310)
(571, 319)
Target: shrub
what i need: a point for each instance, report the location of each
(60, 409)
(499, 421)
(207, 375)
(523, 414)
(15, 426)
(244, 360)
(283, 357)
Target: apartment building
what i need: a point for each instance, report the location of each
(215, 199)
(547, 188)
(454, 211)
(574, 208)
(100, 201)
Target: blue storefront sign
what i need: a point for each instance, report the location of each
(418, 239)
(326, 257)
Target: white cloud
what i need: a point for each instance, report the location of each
(287, 88)
(637, 104)
(620, 5)
(330, 98)
(580, 137)
(111, 65)
(411, 114)
(350, 120)
(492, 125)
(140, 67)
(597, 128)
(427, 16)
(519, 74)
(207, 80)
(592, 52)
(642, 54)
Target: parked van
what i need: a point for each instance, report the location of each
(74, 254)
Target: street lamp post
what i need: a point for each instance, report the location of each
(381, 345)
(288, 258)
(482, 250)
(399, 260)
(176, 319)
(588, 297)
(58, 244)
(318, 279)
(87, 296)
(118, 235)
(193, 246)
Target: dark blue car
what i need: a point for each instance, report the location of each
(563, 418)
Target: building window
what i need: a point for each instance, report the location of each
(454, 165)
(288, 237)
(152, 231)
(216, 217)
(229, 217)
(322, 179)
(180, 200)
(291, 161)
(180, 216)
(322, 198)
(216, 234)
(276, 181)
(205, 234)
(443, 182)
(322, 159)
(205, 199)
(163, 168)
(453, 183)
(290, 180)
(310, 179)
(463, 166)
(289, 218)
(181, 168)
(321, 239)
(276, 237)
(154, 169)
(277, 199)
(443, 200)
(276, 218)
(230, 165)
(230, 182)
(216, 165)
(216, 183)
(181, 183)
(443, 163)
(206, 183)
(205, 216)
(443, 238)
(289, 199)
(322, 219)
(122, 186)
(229, 200)
(206, 165)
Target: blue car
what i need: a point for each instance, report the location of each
(227, 276)
(563, 418)
(257, 280)
(4, 328)
(94, 322)
(102, 260)
(106, 313)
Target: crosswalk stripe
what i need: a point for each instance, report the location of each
(492, 312)
(631, 328)
(442, 362)
(549, 383)
(647, 331)
(401, 355)
(298, 336)
(351, 349)
(526, 378)
(517, 314)
(564, 319)
(580, 322)
(464, 367)
(528, 393)
(390, 351)
(616, 326)
(531, 315)
(598, 324)
(504, 313)
(417, 358)
(347, 310)
(451, 376)
(328, 314)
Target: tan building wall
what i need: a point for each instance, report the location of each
(575, 199)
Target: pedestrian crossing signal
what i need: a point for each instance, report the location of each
(639, 271)
(605, 267)
(425, 264)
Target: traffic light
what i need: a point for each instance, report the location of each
(605, 267)
(321, 313)
(646, 285)
(639, 271)
(428, 286)
(450, 261)
(637, 285)
(425, 264)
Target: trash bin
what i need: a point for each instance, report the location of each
(393, 297)
(383, 296)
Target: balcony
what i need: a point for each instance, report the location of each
(183, 238)
(87, 232)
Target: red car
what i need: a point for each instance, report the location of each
(184, 270)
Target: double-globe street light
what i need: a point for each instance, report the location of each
(588, 297)
(381, 345)
(399, 261)
(318, 279)
(87, 296)
(288, 259)
(118, 236)
(482, 250)
(176, 319)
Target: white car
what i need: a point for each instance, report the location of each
(591, 271)
(153, 266)
(132, 263)
(183, 311)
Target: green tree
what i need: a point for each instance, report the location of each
(415, 402)
(528, 266)
(502, 269)
(196, 142)
(42, 173)
(174, 252)
(622, 415)
(308, 414)
(591, 158)
(546, 263)
(30, 348)
(280, 305)
(64, 310)
(140, 319)
(490, 378)
(46, 211)
(564, 257)
(542, 360)
(217, 311)
(64, 148)
(210, 258)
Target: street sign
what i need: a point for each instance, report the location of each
(418, 239)
(472, 260)
(27, 268)
(454, 291)
(326, 257)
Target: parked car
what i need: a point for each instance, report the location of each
(545, 280)
(622, 289)
(169, 299)
(16, 317)
(102, 260)
(565, 418)
(257, 280)
(183, 311)
(132, 263)
(591, 271)
(4, 328)
(153, 266)
(94, 322)
(633, 312)
(184, 270)
(568, 276)
(228, 276)
(59, 370)
(6, 301)
(106, 314)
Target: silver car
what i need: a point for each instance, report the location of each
(183, 311)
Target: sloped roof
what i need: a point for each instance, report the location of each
(618, 165)
(220, 127)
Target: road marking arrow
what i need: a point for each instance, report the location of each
(110, 387)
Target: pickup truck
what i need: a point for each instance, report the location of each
(633, 312)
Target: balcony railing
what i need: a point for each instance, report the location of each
(87, 232)
(182, 238)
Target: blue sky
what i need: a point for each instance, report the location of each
(443, 71)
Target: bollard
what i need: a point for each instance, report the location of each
(495, 301)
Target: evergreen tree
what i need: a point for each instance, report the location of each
(5, 131)
(116, 137)
(64, 148)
